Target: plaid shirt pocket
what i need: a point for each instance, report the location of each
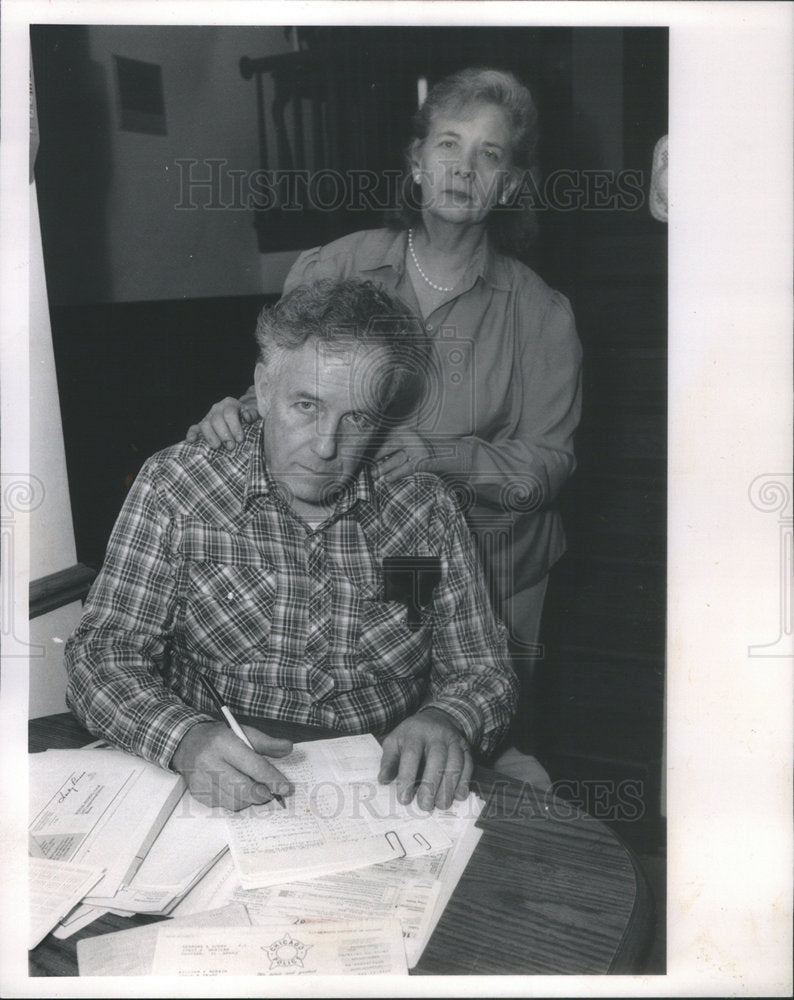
(228, 611)
(229, 595)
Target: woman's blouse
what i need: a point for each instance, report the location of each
(501, 411)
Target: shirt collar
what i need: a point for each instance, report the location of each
(388, 249)
(259, 482)
(494, 268)
(385, 248)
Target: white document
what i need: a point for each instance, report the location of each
(131, 953)
(414, 890)
(55, 888)
(375, 893)
(102, 808)
(445, 868)
(281, 949)
(214, 890)
(339, 818)
(192, 840)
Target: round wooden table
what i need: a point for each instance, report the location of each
(549, 890)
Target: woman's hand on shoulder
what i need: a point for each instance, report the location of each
(223, 425)
(403, 453)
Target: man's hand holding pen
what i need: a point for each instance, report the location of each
(220, 770)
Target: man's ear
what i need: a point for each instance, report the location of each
(262, 384)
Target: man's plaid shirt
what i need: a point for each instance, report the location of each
(209, 570)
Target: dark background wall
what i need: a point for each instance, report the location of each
(152, 308)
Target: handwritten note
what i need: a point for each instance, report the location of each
(339, 818)
(74, 807)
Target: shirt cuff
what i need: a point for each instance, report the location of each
(159, 734)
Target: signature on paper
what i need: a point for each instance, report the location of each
(69, 786)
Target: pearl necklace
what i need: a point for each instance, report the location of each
(438, 288)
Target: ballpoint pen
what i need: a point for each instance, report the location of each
(232, 723)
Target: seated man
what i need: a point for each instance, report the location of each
(262, 569)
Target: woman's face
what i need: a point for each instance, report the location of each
(465, 164)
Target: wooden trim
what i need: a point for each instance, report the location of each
(59, 589)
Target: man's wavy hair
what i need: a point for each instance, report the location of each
(345, 314)
(512, 227)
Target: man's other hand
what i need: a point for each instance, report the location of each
(220, 770)
(429, 755)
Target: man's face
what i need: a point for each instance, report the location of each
(320, 414)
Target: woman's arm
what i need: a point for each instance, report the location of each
(522, 469)
(223, 424)
(526, 468)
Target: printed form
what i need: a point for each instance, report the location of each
(101, 808)
(131, 953)
(281, 949)
(338, 819)
(414, 890)
(54, 888)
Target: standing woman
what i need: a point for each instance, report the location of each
(504, 398)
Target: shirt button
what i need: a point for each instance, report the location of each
(429, 327)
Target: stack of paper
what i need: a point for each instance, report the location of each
(54, 888)
(344, 856)
(192, 840)
(413, 890)
(101, 809)
(338, 819)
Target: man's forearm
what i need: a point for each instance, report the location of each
(116, 696)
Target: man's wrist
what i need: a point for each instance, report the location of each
(446, 716)
(184, 752)
(463, 715)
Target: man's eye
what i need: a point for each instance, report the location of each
(492, 154)
(305, 405)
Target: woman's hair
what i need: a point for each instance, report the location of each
(512, 227)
